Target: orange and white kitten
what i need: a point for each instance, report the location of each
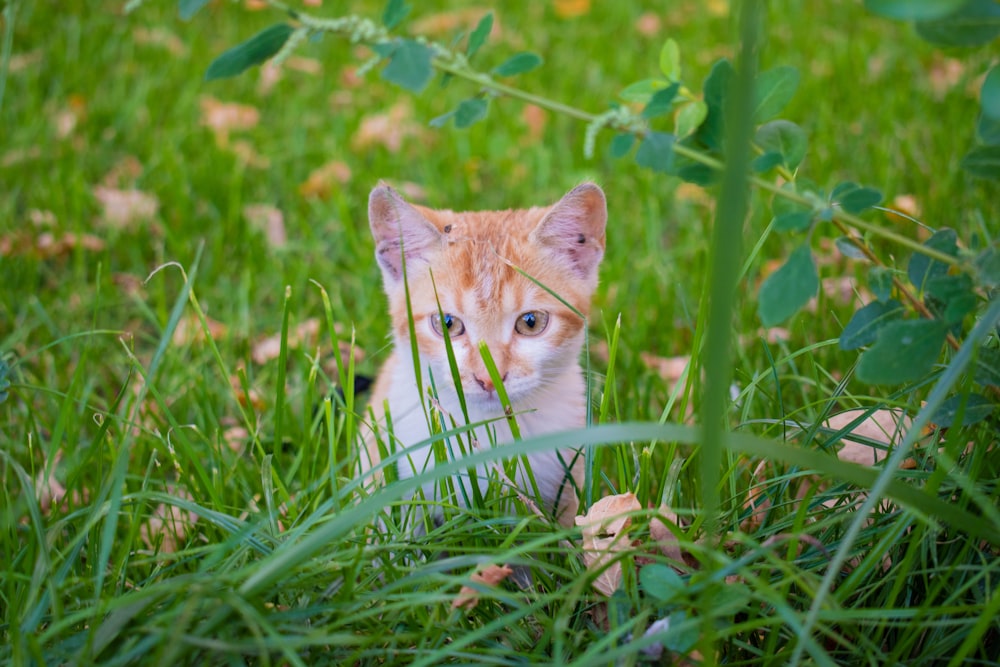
(534, 339)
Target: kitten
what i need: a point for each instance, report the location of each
(465, 261)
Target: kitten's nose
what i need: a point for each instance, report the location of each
(487, 384)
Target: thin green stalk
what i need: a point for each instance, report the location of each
(726, 249)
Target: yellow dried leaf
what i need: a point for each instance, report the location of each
(124, 208)
(663, 536)
(608, 516)
(224, 117)
(447, 23)
(269, 220)
(604, 535)
(323, 180)
(491, 575)
(387, 129)
(568, 9)
(269, 347)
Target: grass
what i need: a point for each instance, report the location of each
(144, 424)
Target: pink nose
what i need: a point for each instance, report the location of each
(487, 384)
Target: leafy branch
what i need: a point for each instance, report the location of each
(945, 285)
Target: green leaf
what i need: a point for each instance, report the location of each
(909, 10)
(792, 221)
(905, 351)
(442, 120)
(479, 35)
(518, 64)
(670, 60)
(656, 152)
(767, 162)
(848, 248)
(660, 582)
(4, 381)
(394, 13)
(976, 22)
(857, 200)
(864, 326)
(470, 111)
(922, 268)
(880, 282)
(790, 215)
(784, 137)
(661, 101)
(188, 8)
(410, 66)
(973, 408)
(715, 87)
(983, 162)
(640, 92)
(622, 144)
(987, 368)
(774, 89)
(951, 296)
(987, 264)
(690, 117)
(789, 288)
(989, 94)
(988, 130)
(252, 52)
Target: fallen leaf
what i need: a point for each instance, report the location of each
(535, 119)
(68, 117)
(604, 535)
(663, 536)
(446, 23)
(124, 173)
(160, 37)
(905, 204)
(124, 208)
(22, 61)
(323, 180)
(168, 522)
(236, 438)
(671, 369)
(248, 155)
(16, 156)
(568, 9)
(225, 117)
(190, 330)
(249, 398)
(269, 220)
(491, 575)
(943, 75)
(268, 348)
(387, 129)
(648, 24)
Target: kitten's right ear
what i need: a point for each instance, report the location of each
(399, 229)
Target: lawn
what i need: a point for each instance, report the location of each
(190, 308)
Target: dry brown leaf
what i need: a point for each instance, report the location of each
(190, 330)
(906, 204)
(124, 208)
(324, 180)
(568, 9)
(250, 398)
(648, 24)
(671, 369)
(236, 438)
(944, 74)
(124, 173)
(16, 156)
(269, 347)
(269, 220)
(604, 535)
(225, 117)
(491, 575)
(161, 37)
(447, 23)
(22, 61)
(387, 129)
(169, 521)
(663, 536)
(248, 155)
(535, 119)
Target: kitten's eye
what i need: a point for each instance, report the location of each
(454, 325)
(531, 323)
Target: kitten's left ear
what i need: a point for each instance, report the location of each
(401, 232)
(574, 229)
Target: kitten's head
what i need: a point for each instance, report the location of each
(466, 261)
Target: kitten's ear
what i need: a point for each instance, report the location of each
(399, 228)
(574, 229)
